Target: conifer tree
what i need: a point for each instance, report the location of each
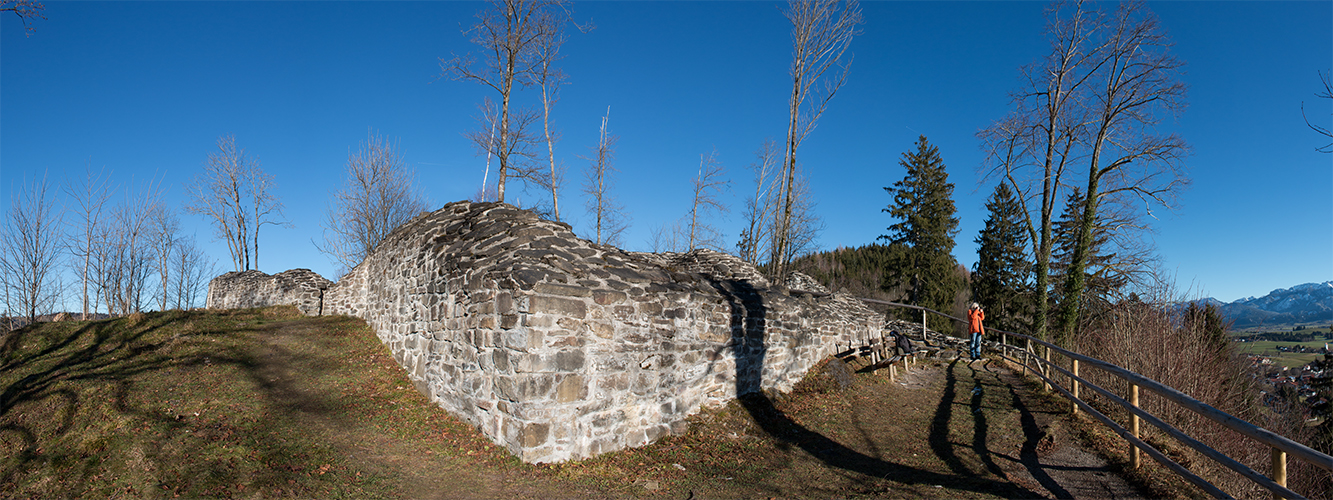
(1099, 275)
(1000, 282)
(923, 204)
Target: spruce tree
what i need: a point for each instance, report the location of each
(923, 204)
(1100, 279)
(1000, 281)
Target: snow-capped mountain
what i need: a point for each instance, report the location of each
(1311, 302)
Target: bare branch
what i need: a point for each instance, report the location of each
(707, 186)
(821, 35)
(609, 219)
(378, 195)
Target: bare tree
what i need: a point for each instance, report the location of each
(759, 207)
(162, 229)
(706, 187)
(25, 9)
(378, 195)
(235, 194)
(821, 34)
(1322, 130)
(30, 252)
(804, 225)
(549, 79)
(1136, 78)
(90, 196)
(667, 238)
(510, 35)
(609, 220)
(267, 208)
(129, 253)
(191, 271)
(1031, 148)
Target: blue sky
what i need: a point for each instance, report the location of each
(144, 90)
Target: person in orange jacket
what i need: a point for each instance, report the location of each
(974, 317)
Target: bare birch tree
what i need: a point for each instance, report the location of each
(1136, 78)
(821, 33)
(609, 219)
(89, 195)
(759, 207)
(235, 195)
(510, 36)
(378, 195)
(30, 251)
(707, 186)
(549, 79)
(1031, 148)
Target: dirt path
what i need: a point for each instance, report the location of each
(1053, 462)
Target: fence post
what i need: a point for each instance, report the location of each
(1004, 344)
(1046, 370)
(1279, 470)
(923, 325)
(1136, 460)
(1027, 356)
(1073, 383)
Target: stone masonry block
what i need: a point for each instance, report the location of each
(558, 306)
(562, 290)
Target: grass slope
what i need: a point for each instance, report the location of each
(264, 403)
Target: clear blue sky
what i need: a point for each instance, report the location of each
(145, 89)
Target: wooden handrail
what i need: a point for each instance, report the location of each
(1179, 435)
(1277, 442)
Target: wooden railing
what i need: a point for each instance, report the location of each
(1040, 364)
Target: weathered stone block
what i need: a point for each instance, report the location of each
(605, 297)
(572, 388)
(562, 290)
(569, 361)
(558, 306)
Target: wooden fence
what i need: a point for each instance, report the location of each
(1038, 361)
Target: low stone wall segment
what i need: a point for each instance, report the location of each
(558, 348)
(302, 288)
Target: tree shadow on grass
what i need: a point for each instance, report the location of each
(750, 321)
(63, 365)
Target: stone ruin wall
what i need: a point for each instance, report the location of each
(558, 348)
(302, 288)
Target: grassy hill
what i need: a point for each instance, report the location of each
(266, 403)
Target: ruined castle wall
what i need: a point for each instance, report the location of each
(558, 348)
(302, 288)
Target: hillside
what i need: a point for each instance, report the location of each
(859, 271)
(264, 403)
(1307, 303)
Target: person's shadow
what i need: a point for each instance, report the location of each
(749, 342)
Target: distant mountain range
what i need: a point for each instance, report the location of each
(1308, 303)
